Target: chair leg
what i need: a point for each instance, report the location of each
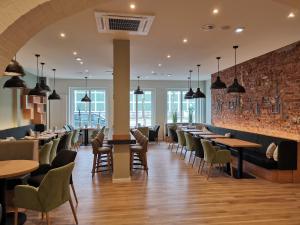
(199, 165)
(42, 215)
(181, 150)
(48, 218)
(16, 216)
(73, 211)
(74, 193)
(177, 148)
(94, 165)
(190, 156)
(172, 146)
(194, 160)
(209, 170)
(185, 153)
(231, 169)
(203, 164)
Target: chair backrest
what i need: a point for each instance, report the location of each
(190, 145)
(53, 149)
(54, 189)
(63, 158)
(173, 134)
(69, 140)
(15, 150)
(156, 128)
(181, 137)
(144, 131)
(44, 156)
(62, 145)
(209, 151)
(75, 137)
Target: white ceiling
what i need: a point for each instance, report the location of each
(266, 23)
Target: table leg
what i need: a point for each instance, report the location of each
(8, 218)
(86, 137)
(240, 164)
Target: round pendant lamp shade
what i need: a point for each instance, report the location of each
(43, 84)
(218, 84)
(37, 90)
(14, 82)
(190, 93)
(54, 95)
(86, 97)
(198, 93)
(14, 69)
(235, 87)
(138, 91)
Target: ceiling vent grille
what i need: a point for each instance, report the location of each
(132, 24)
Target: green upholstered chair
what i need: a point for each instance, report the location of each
(190, 146)
(69, 140)
(75, 139)
(214, 156)
(44, 155)
(181, 140)
(53, 192)
(144, 131)
(53, 149)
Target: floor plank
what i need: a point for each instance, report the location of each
(173, 193)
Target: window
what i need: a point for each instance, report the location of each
(88, 113)
(183, 110)
(141, 109)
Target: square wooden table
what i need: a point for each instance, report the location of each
(238, 145)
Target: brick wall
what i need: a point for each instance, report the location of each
(271, 104)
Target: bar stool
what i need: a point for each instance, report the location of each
(138, 152)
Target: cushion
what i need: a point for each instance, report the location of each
(228, 135)
(270, 150)
(275, 155)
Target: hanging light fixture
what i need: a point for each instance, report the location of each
(37, 90)
(54, 95)
(218, 84)
(138, 91)
(86, 97)
(235, 87)
(14, 69)
(43, 84)
(198, 93)
(190, 93)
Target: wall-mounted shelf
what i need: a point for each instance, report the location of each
(34, 108)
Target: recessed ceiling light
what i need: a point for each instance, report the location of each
(63, 35)
(239, 30)
(291, 15)
(185, 40)
(81, 62)
(159, 65)
(78, 59)
(169, 75)
(152, 72)
(215, 11)
(86, 70)
(168, 56)
(132, 6)
(74, 53)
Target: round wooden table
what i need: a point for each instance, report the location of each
(10, 169)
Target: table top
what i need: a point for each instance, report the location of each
(13, 168)
(190, 130)
(236, 143)
(201, 133)
(120, 139)
(42, 137)
(210, 136)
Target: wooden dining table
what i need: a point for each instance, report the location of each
(212, 136)
(240, 146)
(10, 169)
(201, 132)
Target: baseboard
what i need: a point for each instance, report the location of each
(121, 180)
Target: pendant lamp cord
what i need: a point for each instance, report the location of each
(218, 58)
(86, 85)
(235, 47)
(54, 77)
(191, 78)
(198, 75)
(42, 70)
(138, 81)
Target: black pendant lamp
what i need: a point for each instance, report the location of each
(190, 93)
(218, 84)
(138, 91)
(235, 87)
(54, 95)
(14, 69)
(198, 93)
(43, 84)
(37, 90)
(86, 97)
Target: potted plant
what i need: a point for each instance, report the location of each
(174, 117)
(191, 110)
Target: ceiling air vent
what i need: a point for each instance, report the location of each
(132, 24)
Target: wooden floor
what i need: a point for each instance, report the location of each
(174, 193)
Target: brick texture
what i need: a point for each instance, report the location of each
(268, 79)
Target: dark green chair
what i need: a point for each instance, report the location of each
(53, 192)
(181, 140)
(190, 146)
(215, 156)
(44, 153)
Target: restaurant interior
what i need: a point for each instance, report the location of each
(149, 112)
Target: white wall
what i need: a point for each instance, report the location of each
(59, 109)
